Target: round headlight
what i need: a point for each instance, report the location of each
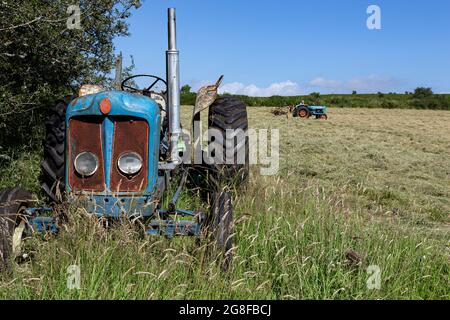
(130, 163)
(86, 163)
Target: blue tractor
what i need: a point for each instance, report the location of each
(123, 153)
(303, 110)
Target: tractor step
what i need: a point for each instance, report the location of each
(168, 228)
(171, 228)
(41, 224)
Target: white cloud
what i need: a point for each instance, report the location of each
(286, 88)
(372, 83)
(197, 84)
(368, 84)
(324, 83)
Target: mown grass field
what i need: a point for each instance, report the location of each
(367, 187)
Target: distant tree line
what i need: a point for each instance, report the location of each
(421, 98)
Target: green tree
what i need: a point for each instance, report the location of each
(421, 92)
(315, 95)
(186, 89)
(354, 92)
(47, 52)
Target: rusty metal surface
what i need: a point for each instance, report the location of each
(130, 135)
(85, 135)
(205, 97)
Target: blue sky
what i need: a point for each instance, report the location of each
(266, 47)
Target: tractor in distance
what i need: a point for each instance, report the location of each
(120, 153)
(303, 110)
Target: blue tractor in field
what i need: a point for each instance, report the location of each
(303, 110)
(123, 153)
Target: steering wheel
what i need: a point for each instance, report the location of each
(126, 87)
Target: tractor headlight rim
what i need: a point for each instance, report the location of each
(89, 166)
(130, 163)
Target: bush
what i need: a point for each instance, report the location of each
(435, 102)
(421, 92)
(188, 98)
(386, 104)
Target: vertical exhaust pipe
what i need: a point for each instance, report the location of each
(173, 87)
(118, 77)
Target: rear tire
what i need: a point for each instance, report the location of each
(224, 114)
(11, 203)
(53, 165)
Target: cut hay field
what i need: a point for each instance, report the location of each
(367, 190)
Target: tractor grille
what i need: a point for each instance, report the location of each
(89, 134)
(85, 135)
(130, 135)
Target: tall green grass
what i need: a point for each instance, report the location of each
(290, 244)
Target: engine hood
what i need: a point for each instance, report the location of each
(122, 104)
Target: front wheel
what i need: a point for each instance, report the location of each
(12, 204)
(220, 225)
